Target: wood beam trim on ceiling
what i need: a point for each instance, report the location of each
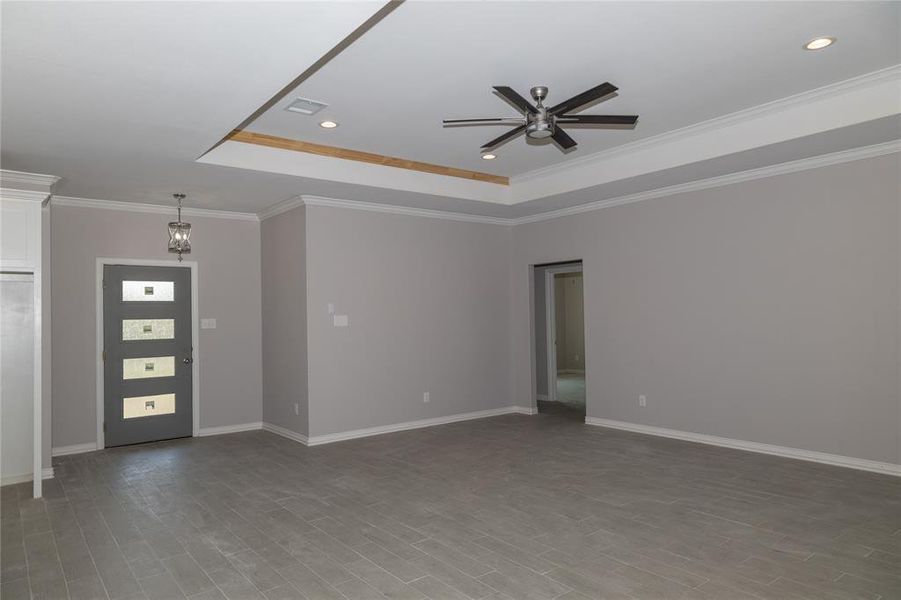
(272, 141)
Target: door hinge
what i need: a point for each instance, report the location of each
(104, 356)
(104, 427)
(103, 284)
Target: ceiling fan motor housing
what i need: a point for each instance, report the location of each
(540, 125)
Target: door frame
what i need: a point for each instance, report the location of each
(195, 335)
(550, 317)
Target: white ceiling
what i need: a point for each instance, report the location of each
(121, 99)
(676, 63)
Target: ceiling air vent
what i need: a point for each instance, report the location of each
(305, 106)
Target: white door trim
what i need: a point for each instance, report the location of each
(195, 334)
(551, 324)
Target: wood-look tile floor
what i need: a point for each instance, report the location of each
(511, 507)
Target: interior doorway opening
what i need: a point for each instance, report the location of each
(560, 339)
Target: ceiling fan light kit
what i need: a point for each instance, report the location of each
(540, 122)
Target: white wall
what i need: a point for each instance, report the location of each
(228, 256)
(765, 311)
(46, 340)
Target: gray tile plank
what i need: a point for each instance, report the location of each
(453, 511)
(187, 574)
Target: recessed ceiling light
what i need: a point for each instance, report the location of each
(488, 157)
(328, 124)
(819, 43)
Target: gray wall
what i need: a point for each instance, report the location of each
(570, 325)
(428, 306)
(284, 297)
(228, 253)
(539, 325)
(765, 311)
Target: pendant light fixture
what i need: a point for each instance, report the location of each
(179, 232)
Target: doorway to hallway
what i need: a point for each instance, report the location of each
(560, 339)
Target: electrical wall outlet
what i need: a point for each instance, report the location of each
(426, 398)
(642, 400)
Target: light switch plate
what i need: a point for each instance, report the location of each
(340, 320)
(208, 323)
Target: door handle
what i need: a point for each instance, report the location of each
(187, 361)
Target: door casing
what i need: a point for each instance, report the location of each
(195, 333)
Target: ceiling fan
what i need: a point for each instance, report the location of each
(541, 122)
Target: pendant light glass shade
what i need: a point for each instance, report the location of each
(179, 232)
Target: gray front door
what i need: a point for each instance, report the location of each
(148, 353)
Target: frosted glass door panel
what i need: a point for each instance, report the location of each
(148, 291)
(148, 329)
(148, 406)
(144, 368)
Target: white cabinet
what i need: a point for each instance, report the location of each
(20, 234)
(21, 350)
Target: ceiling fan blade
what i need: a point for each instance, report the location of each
(584, 98)
(562, 138)
(495, 121)
(503, 138)
(514, 98)
(599, 119)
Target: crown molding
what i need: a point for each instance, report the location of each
(27, 195)
(403, 210)
(158, 209)
(280, 207)
(12, 179)
(822, 93)
(794, 166)
(309, 200)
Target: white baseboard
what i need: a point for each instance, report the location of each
(329, 438)
(784, 451)
(370, 431)
(47, 473)
(205, 431)
(291, 435)
(73, 449)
